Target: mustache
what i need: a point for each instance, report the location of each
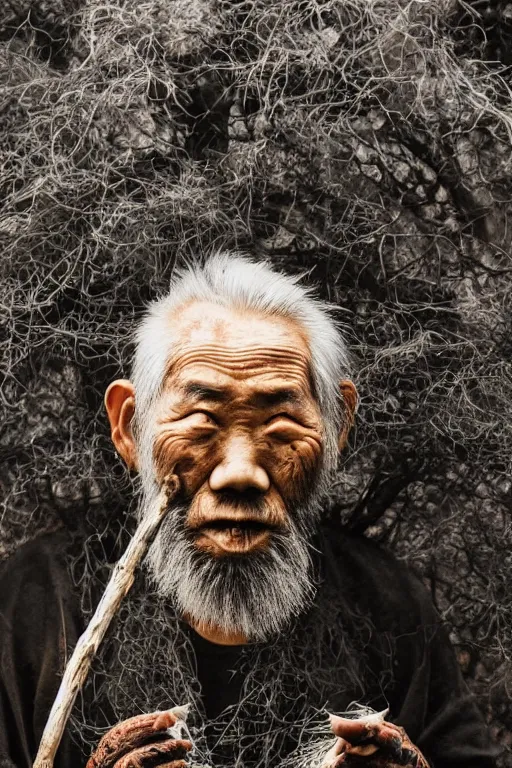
(250, 501)
(237, 508)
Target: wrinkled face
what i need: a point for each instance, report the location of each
(238, 419)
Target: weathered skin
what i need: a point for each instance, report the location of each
(141, 740)
(237, 417)
(238, 413)
(376, 745)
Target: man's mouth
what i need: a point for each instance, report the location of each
(227, 536)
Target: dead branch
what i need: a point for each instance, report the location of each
(118, 586)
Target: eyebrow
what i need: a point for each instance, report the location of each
(263, 399)
(272, 397)
(199, 391)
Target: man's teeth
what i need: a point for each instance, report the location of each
(239, 529)
(243, 525)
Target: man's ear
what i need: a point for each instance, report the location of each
(349, 395)
(120, 405)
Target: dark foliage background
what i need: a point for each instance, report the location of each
(367, 142)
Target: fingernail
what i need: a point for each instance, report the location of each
(164, 721)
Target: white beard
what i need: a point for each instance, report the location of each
(255, 594)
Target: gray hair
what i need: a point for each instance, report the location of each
(235, 281)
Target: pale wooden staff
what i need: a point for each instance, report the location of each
(118, 586)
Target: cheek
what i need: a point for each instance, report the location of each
(193, 460)
(294, 465)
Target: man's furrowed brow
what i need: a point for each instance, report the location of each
(196, 390)
(274, 397)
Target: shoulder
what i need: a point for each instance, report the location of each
(371, 577)
(34, 577)
(41, 555)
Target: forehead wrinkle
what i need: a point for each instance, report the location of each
(196, 326)
(235, 356)
(245, 361)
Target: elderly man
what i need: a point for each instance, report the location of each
(250, 607)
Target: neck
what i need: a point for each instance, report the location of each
(217, 635)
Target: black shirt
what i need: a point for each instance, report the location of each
(221, 681)
(39, 620)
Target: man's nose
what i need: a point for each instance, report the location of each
(238, 469)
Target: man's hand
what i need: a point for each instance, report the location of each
(379, 745)
(140, 742)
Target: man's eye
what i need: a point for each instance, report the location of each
(284, 427)
(200, 419)
(281, 417)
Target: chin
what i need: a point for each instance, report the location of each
(231, 569)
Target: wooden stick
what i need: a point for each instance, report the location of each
(79, 664)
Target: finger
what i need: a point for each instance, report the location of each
(330, 759)
(353, 731)
(155, 754)
(390, 738)
(394, 744)
(360, 730)
(361, 752)
(365, 737)
(163, 721)
(129, 735)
